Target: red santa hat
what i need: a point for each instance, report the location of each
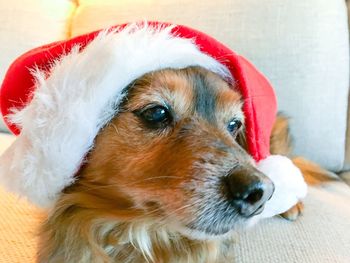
(57, 97)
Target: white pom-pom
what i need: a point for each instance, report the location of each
(290, 186)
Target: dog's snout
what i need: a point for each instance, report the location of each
(248, 190)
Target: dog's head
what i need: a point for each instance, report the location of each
(175, 153)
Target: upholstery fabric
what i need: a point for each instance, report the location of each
(301, 46)
(18, 228)
(346, 177)
(25, 24)
(320, 235)
(347, 146)
(18, 222)
(5, 141)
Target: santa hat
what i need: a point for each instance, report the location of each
(57, 97)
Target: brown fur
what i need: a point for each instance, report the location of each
(281, 143)
(140, 184)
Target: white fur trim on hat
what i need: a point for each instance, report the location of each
(290, 186)
(80, 94)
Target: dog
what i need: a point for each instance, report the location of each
(169, 178)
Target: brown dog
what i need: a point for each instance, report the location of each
(168, 179)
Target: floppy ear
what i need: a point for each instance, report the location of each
(281, 139)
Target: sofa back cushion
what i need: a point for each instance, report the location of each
(25, 24)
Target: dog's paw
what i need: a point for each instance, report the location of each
(294, 212)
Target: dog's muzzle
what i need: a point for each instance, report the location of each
(248, 190)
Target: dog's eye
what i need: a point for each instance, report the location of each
(157, 116)
(233, 126)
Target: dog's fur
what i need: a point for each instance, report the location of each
(154, 193)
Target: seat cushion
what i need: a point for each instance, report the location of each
(321, 234)
(5, 141)
(18, 222)
(18, 229)
(346, 177)
(301, 46)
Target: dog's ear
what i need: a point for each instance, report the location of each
(280, 139)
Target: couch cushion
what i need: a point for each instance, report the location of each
(18, 228)
(18, 222)
(25, 24)
(346, 177)
(320, 235)
(302, 46)
(5, 141)
(347, 147)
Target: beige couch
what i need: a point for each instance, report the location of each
(302, 46)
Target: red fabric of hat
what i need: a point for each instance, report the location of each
(259, 98)
(57, 97)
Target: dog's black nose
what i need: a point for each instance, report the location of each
(248, 190)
